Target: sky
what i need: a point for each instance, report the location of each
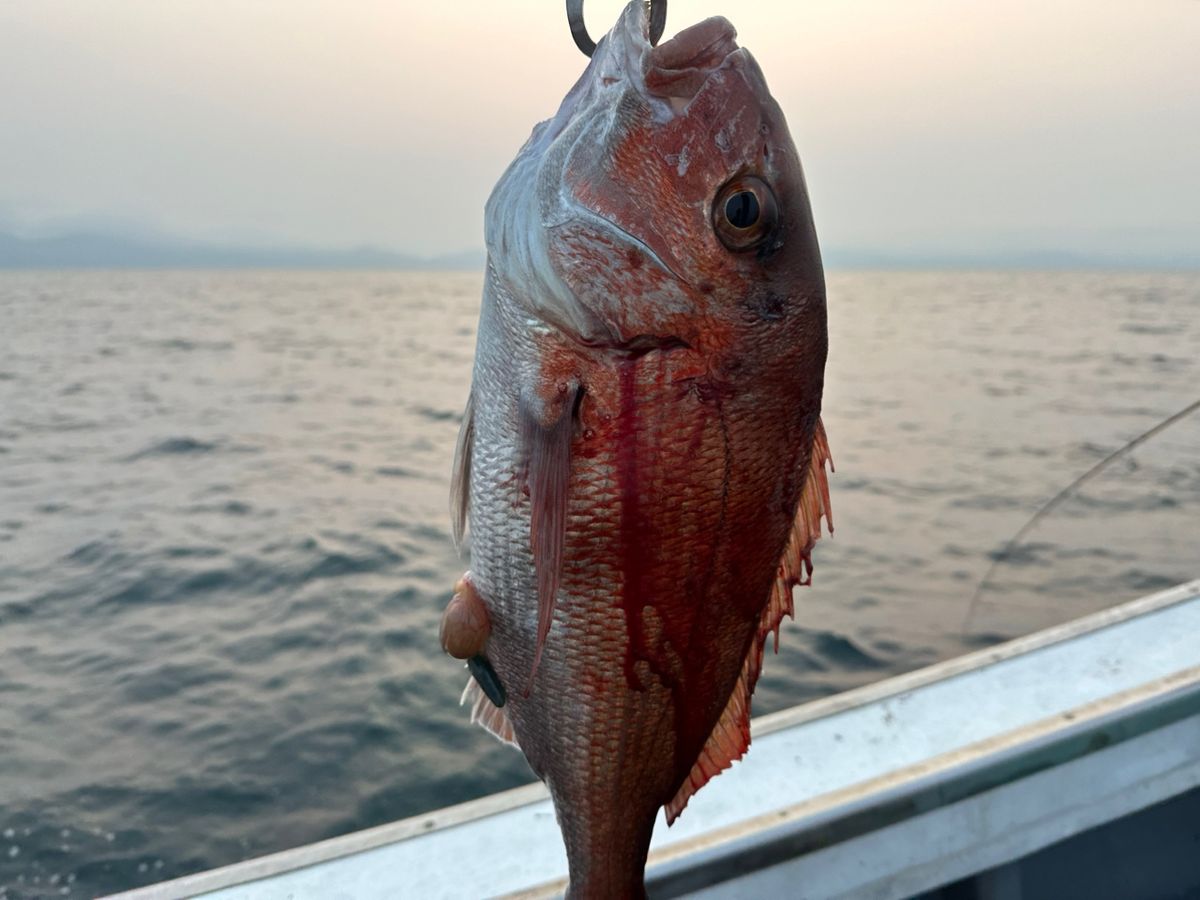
(923, 125)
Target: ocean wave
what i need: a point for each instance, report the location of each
(188, 446)
(175, 446)
(225, 558)
(188, 345)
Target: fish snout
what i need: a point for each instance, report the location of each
(679, 67)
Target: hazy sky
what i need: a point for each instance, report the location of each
(1065, 124)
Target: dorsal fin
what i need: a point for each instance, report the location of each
(548, 471)
(486, 713)
(730, 737)
(460, 479)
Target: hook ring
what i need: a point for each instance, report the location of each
(658, 22)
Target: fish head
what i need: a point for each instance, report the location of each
(664, 205)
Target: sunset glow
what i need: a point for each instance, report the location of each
(928, 123)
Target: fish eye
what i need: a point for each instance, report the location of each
(744, 213)
(742, 209)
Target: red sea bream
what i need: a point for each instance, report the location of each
(642, 458)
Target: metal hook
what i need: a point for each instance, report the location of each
(658, 22)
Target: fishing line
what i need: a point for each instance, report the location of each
(1062, 495)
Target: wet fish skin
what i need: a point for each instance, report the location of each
(641, 431)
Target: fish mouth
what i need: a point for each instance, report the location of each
(677, 69)
(669, 76)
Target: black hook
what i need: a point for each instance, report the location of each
(658, 22)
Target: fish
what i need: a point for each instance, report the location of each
(642, 460)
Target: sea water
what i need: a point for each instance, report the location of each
(225, 540)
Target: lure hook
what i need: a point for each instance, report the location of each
(658, 22)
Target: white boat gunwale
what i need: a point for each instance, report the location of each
(1080, 725)
(959, 775)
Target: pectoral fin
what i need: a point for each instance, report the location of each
(547, 450)
(730, 737)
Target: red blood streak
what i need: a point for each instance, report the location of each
(683, 621)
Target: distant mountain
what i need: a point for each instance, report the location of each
(115, 251)
(108, 251)
(1050, 259)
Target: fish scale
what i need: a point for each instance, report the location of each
(643, 423)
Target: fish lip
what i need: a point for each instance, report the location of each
(624, 57)
(678, 70)
(669, 75)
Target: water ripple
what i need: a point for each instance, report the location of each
(225, 545)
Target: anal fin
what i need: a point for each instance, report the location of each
(730, 738)
(487, 713)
